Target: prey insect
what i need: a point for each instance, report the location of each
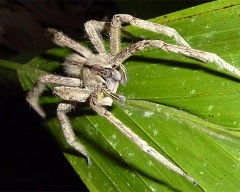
(95, 77)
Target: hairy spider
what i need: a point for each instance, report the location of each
(95, 77)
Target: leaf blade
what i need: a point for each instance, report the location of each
(117, 163)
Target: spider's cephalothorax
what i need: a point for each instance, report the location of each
(94, 78)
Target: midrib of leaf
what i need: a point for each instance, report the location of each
(9, 64)
(221, 132)
(183, 96)
(192, 121)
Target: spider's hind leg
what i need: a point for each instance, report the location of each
(35, 93)
(68, 132)
(102, 111)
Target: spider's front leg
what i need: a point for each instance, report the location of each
(64, 41)
(93, 29)
(115, 35)
(200, 55)
(75, 94)
(68, 132)
(35, 93)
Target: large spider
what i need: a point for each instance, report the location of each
(95, 77)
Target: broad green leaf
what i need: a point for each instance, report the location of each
(185, 109)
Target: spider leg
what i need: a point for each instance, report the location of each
(203, 56)
(147, 25)
(64, 41)
(35, 93)
(136, 139)
(77, 94)
(93, 28)
(67, 129)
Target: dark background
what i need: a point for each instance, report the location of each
(29, 156)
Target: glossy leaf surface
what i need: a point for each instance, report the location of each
(187, 110)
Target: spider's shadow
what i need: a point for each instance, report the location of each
(185, 65)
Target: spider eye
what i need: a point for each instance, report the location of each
(105, 73)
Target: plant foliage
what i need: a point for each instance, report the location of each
(185, 109)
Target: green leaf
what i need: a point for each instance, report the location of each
(8, 77)
(185, 109)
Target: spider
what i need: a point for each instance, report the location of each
(95, 77)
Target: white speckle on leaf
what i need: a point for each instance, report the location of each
(192, 92)
(128, 112)
(148, 114)
(131, 95)
(150, 163)
(89, 176)
(167, 114)
(155, 132)
(159, 109)
(152, 188)
(130, 154)
(114, 144)
(210, 107)
(112, 140)
(114, 136)
(132, 175)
